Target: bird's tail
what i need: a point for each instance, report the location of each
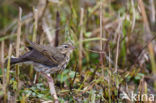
(14, 60)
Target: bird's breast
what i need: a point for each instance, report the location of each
(47, 69)
(63, 65)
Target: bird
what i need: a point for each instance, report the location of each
(46, 60)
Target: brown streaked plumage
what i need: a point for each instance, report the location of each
(47, 59)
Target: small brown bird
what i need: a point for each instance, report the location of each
(46, 60)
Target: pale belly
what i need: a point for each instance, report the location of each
(46, 69)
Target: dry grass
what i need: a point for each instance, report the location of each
(115, 49)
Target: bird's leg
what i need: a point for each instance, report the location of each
(36, 78)
(51, 86)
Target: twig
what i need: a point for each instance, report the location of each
(143, 12)
(117, 54)
(2, 61)
(145, 20)
(27, 18)
(153, 12)
(71, 85)
(57, 30)
(7, 37)
(80, 39)
(43, 11)
(101, 36)
(17, 48)
(7, 73)
(3, 72)
(152, 59)
(134, 15)
(88, 88)
(48, 33)
(117, 32)
(94, 73)
(107, 57)
(94, 39)
(51, 86)
(35, 25)
(18, 32)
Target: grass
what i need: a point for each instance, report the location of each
(115, 49)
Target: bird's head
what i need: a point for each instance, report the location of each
(66, 48)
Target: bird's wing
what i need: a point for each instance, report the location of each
(50, 52)
(53, 54)
(37, 57)
(33, 45)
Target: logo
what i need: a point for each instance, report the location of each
(137, 97)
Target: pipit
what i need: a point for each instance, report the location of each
(46, 60)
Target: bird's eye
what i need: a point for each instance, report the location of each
(65, 46)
